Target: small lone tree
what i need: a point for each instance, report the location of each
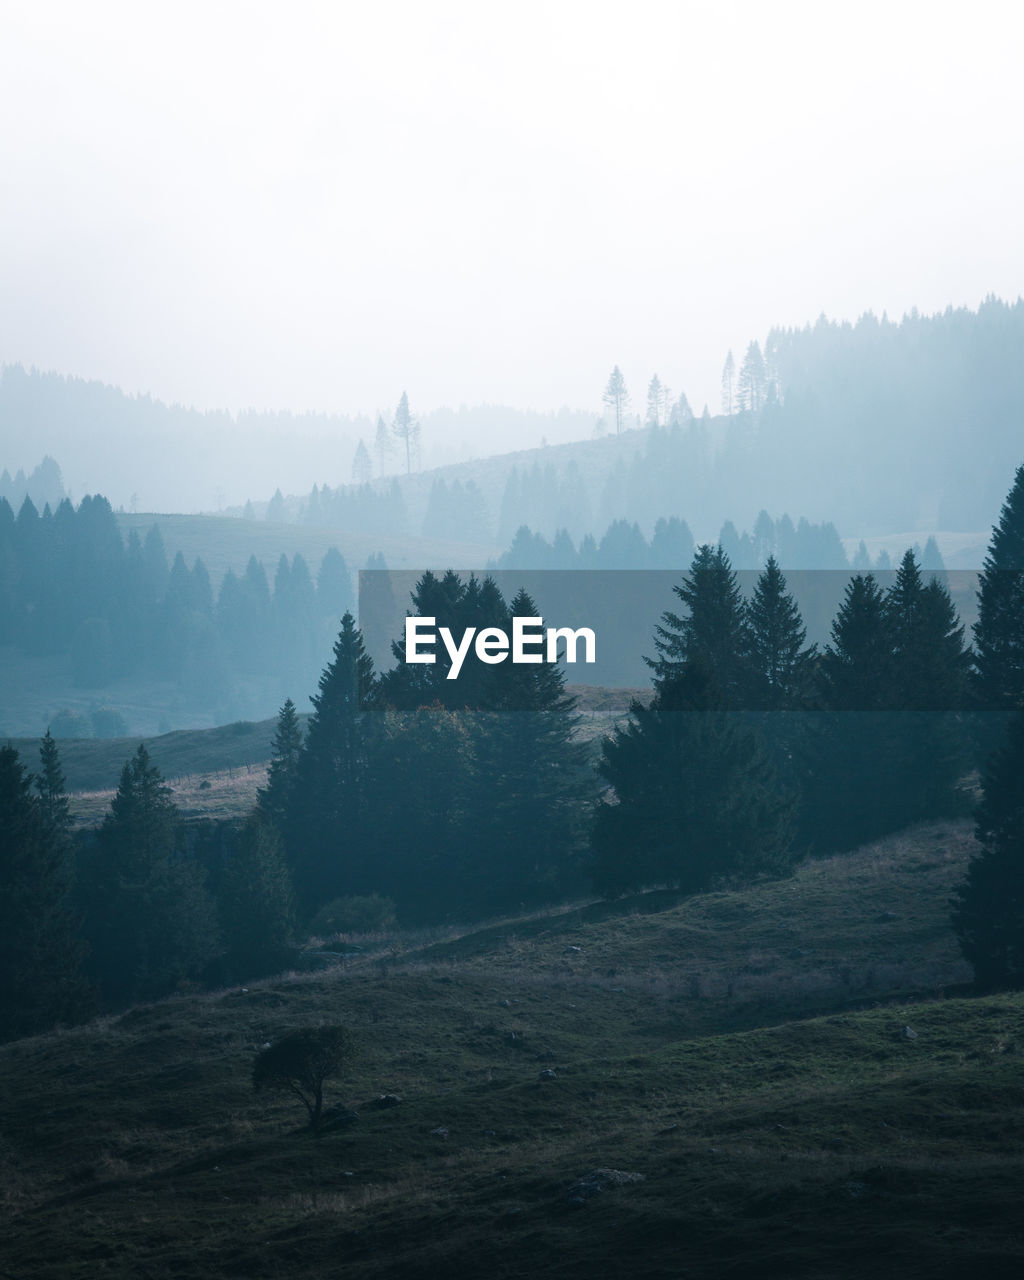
(300, 1063)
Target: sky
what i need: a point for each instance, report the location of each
(319, 205)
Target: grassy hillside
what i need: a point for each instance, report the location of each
(810, 1124)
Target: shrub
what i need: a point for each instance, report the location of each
(300, 1063)
(368, 914)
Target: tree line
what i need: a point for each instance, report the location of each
(671, 545)
(69, 583)
(469, 798)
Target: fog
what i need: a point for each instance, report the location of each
(231, 206)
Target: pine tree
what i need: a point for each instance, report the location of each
(988, 910)
(275, 798)
(715, 627)
(856, 668)
(407, 430)
(999, 630)
(326, 827)
(924, 733)
(334, 587)
(780, 663)
(256, 902)
(383, 445)
(362, 467)
(616, 398)
(52, 789)
(848, 762)
(657, 398)
(693, 799)
(149, 918)
(532, 787)
(40, 949)
(751, 385)
(728, 385)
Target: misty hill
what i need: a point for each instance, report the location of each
(777, 1064)
(881, 428)
(144, 454)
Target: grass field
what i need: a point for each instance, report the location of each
(788, 1069)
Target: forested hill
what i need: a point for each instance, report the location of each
(878, 427)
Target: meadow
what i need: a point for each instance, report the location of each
(795, 1072)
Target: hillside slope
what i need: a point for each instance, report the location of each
(767, 1142)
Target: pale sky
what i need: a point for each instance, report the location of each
(318, 205)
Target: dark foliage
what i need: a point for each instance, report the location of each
(694, 797)
(40, 951)
(149, 919)
(301, 1063)
(988, 914)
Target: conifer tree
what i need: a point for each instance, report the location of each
(999, 630)
(693, 798)
(848, 797)
(149, 918)
(257, 910)
(532, 788)
(326, 830)
(275, 798)
(383, 445)
(616, 398)
(752, 383)
(52, 788)
(780, 663)
(925, 734)
(714, 628)
(728, 385)
(362, 467)
(407, 430)
(988, 911)
(40, 949)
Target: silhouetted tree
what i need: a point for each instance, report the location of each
(714, 628)
(149, 919)
(256, 902)
(326, 831)
(301, 1063)
(751, 384)
(406, 429)
(383, 444)
(52, 788)
(728, 385)
(274, 800)
(616, 398)
(780, 663)
(988, 910)
(694, 798)
(532, 788)
(999, 630)
(40, 950)
(362, 467)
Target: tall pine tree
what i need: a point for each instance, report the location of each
(999, 630)
(40, 949)
(693, 797)
(715, 628)
(326, 833)
(149, 918)
(988, 912)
